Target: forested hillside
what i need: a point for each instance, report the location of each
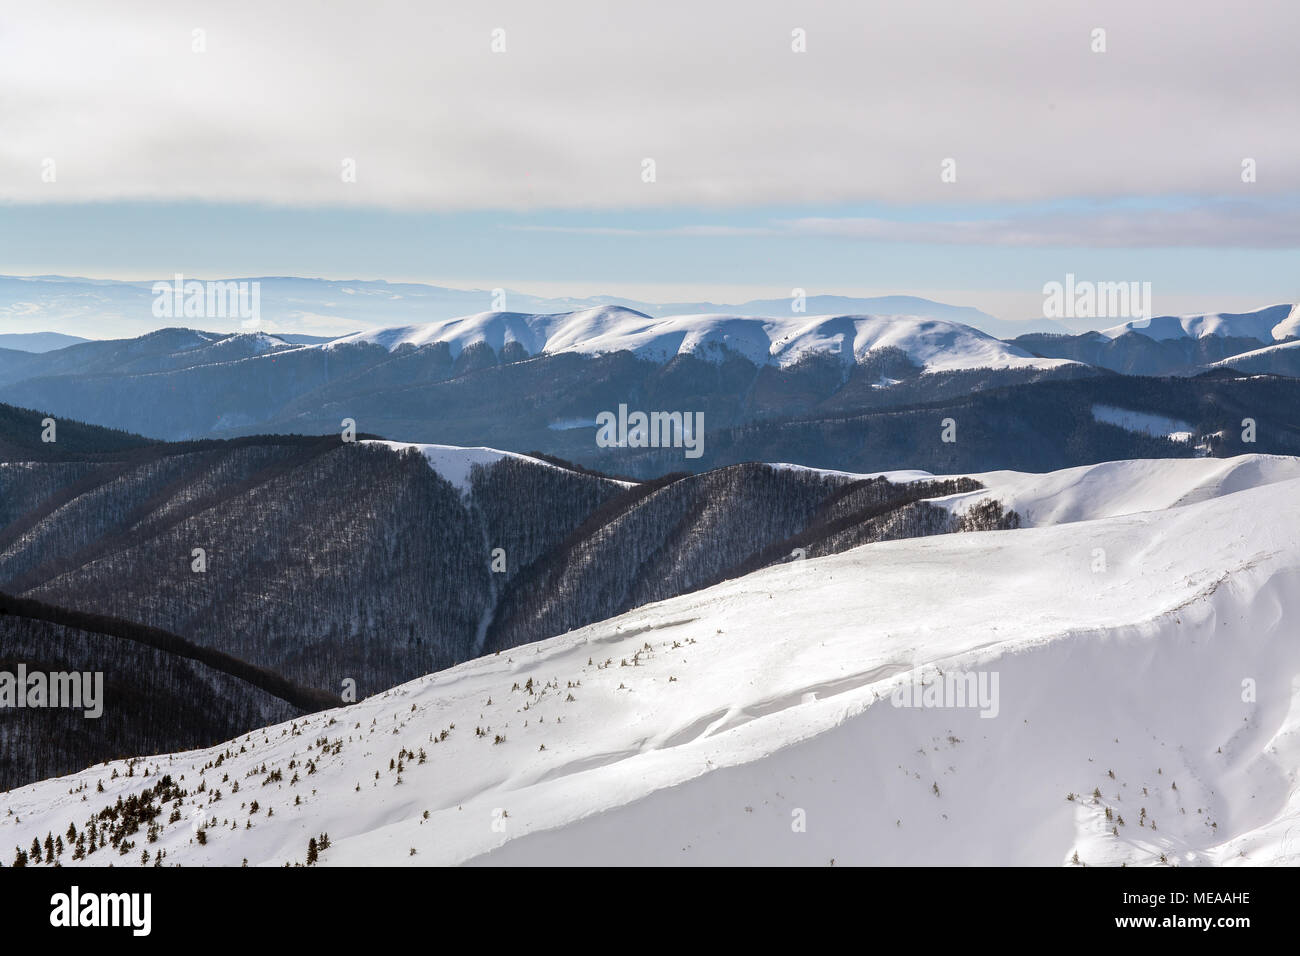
(154, 700)
(327, 561)
(1039, 427)
(24, 436)
(667, 538)
(321, 560)
(342, 568)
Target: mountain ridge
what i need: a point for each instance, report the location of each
(932, 344)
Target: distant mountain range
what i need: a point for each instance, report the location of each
(38, 341)
(539, 381)
(517, 381)
(328, 306)
(930, 344)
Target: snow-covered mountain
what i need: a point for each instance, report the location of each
(874, 305)
(824, 369)
(456, 463)
(932, 344)
(1138, 701)
(1109, 489)
(1280, 359)
(1115, 488)
(1269, 324)
(1178, 345)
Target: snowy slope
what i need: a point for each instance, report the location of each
(704, 729)
(1272, 323)
(1107, 489)
(1147, 423)
(934, 344)
(1267, 351)
(1113, 488)
(456, 462)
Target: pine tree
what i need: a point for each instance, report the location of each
(311, 851)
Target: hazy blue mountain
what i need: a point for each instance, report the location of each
(37, 341)
(329, 307)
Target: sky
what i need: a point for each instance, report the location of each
(674, 151)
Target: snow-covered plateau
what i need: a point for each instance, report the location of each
(1135, 642)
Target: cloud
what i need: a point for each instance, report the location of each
(1214, 226)
(704, 231)
(1273, 225)
(586, 90)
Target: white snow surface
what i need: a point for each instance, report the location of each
(1158, 426)
(1234, 360)
(1169, 683)
(456, 462)
(934, 344)
(901, 475)
(1108, 489)
(263, 343)
(1115, 488)
(1271, 323)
